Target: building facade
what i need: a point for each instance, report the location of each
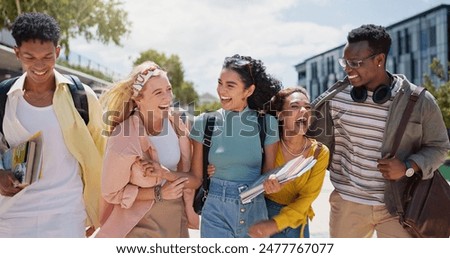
(416, 41)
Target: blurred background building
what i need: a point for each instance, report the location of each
(416, 41)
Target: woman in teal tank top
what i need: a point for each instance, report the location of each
(244, 88)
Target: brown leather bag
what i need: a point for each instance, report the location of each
(427, 207)
(423, 206)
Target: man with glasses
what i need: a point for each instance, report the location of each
(360, 117)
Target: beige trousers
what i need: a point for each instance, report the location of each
(165, 219)
(350, 219)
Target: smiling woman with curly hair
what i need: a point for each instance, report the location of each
(244, 89)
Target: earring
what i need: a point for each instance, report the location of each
(379, 65)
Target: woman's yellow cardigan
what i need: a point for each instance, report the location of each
(299, 194)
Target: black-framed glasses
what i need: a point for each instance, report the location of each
(353, 63)
(241, 63)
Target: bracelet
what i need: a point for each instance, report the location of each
(158, 197)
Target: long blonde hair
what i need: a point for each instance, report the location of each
(118, 102)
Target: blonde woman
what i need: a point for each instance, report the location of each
(147, 155)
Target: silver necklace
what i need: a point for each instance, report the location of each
(291, 152)
(38, 99)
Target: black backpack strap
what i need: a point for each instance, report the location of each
(262, 135)
(210, 121)
(5, 86)
(79, 97)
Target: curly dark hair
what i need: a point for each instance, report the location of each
(32, 26)
(377, 36)
(253, 71)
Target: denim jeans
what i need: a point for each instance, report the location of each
(224, 215)
(273, 209)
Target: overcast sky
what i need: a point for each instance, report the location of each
(282, 33)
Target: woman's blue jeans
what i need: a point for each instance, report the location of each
(273, 209)
(224, 215)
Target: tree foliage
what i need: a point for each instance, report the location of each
(442, 92)
(101, 20)
(187, 93)
(183, 90)
(208, 107)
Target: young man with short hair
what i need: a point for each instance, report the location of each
(65, 199)
(363, 116)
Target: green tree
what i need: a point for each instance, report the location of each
(208, 107)
(187, 93)
(183, 90)
(441, 93)
(101, 20)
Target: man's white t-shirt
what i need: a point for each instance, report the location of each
(59, 190)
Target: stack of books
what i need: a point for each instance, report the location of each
(292, 169)
(24, 160)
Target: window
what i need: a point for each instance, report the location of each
(399, 42)
(314, 70)
(301, 75)
(407, 41)
(423, 40)
(394, 65)
(432, 33)
(332, 64)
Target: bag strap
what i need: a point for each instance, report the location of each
(262, 135)
(330, 92)
(210, 121)
(405, 118)
(79, 97)
(76, 90)
(398, 137)
(5, 86)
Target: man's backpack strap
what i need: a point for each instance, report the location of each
(76, 90)
(5, 86)
(210, 121)
(79, 97)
